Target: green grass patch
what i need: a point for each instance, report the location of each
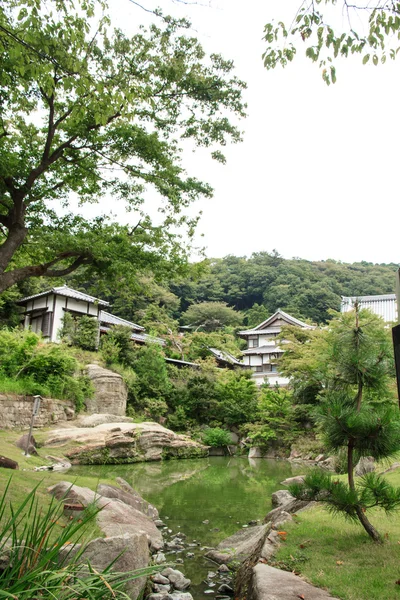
(339, 556)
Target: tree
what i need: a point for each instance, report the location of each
(237, 394)
(358, 414)
(87, 111)
(370, 30)
(211, 316)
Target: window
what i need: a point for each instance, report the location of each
(259, 369)
(253, 342)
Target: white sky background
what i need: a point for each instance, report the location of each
(316, 175)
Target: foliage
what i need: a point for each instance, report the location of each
(356, 414)
(304, 289)
(103, 102)
(237, 395)
(211, 316)
(256, 315)
(37, 568)
(193, 396)
(199, 342)
(153, 384)
(275, 419)
(215, 436)
(117, 347)
(40, 368)
(82, 331)
(326, 42)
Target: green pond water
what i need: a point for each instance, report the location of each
(226, 492)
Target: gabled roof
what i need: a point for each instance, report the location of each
(64, 290)
(106, 317)
(268, 323)
(267, 349)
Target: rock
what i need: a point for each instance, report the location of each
(274, 516)
(211, 575)
(8, 463)
(101, 419)
(209, 592)
(131, 498)
(392, 467)
(115, 518)
(179, 561)
(159, 523)
(255, 452)
(223, 569)
(238, 546)
(266, 582)
(177, 578)
(284, 517)
(158, 578)
(320, 458)
(136, 442)
(190, 554)
(295, 454)
(159, 558)
(281, 497)
(132, 552)
(291, 480)
(329, 464)
(162, 588)
(181, 596)
(365, 465)
(23, 441)
(225, 589)
(159, 596)
(110, 394)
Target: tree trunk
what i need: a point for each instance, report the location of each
(369, 528)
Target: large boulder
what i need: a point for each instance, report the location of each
(131, 498)
(269, 583)
(115, 517)
(119, 443)
(291, 480)
(130, 552)
(238, 546)
(281, 497)
(110, 394)
(100, 419)
(365, 465)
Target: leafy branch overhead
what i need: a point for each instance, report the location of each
(339, 29)
(89, 113)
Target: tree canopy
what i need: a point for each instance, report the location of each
(89, 113)
(332, 29)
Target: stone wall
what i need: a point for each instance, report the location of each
(16, 411)
(110, 394)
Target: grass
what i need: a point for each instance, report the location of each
(339, 556)
(25, 478)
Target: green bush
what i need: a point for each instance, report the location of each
(116, 346)
(82, 332)
(237, 395)
(216, 437)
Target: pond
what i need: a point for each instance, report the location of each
(225, 492)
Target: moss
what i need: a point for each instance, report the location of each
(104, 456)
(171, 453)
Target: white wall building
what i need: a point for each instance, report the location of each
(384, 305)
(263, 349)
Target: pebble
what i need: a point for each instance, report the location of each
(206, 522)
(211, 574)
(159, 558)
(158, 578)
(157, 587)
(159, 523)
(223, 569)
(209, 591)
(190, 554)
(253, 522)
(244, 526)
(225, 589)
(179, 561)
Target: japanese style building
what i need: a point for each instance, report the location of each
(263, 349)
(44, 312)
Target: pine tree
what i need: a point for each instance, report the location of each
(358, 414)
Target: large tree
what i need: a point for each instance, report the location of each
(332, 28)
(88, 112)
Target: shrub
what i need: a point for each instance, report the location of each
(216, 437)
(116, 346)
(237, 394)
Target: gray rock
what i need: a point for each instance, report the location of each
(159, 523)
(225, 589)
(22, 442)
(209, 591)
(190, 554)
(329, 464)
(365, 465)
(223, 569)
(160, 596)
(238, 546)
(159, 587)
(267, 581)
(211, 574)
(110, 394)
(177, 578)
(159, 558)
(181, 596)
(115, 518)
(256, 452)
(274, 516)
(284, 517)
(130, 498)
(281, 497)
(291, 480)
(320, 458)
(158, 578)
(131, 549)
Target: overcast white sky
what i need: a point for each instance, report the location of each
(316, 176)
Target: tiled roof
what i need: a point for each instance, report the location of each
(264, 326)
(64, 290)
(138, 337)
(106, 317)
(226, 356)
(270, 349)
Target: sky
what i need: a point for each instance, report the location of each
(316, 174)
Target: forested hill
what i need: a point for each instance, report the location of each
(302, 288)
